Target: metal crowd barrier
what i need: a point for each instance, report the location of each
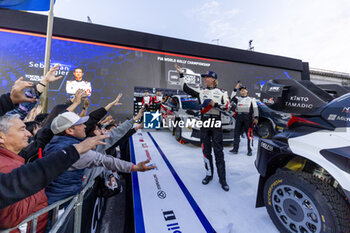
(76, 204)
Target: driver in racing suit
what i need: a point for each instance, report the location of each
(213, 100)
(246, 107)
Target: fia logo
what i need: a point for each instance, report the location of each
(152, 120)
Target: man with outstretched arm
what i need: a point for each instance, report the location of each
(213, 100)
(19, 183)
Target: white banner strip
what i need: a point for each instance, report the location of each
(162, 203)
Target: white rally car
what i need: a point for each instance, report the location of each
(183, 108)
(305, 171)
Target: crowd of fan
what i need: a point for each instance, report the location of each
(45, 157)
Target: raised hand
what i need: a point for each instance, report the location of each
(139, 114)
(178, 68)
(16, 95)
(114, 102)
(50, 76)
(90, 143)
(142, 167)
(86, 103)
(79, 94)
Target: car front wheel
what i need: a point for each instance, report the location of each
(300, 202)
(265, 130)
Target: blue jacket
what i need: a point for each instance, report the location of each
(69, 183)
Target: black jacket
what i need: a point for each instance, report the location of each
(94, 118)
(42, 138)
(5, 104)
(33, 177)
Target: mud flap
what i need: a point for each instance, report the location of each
(260, 193)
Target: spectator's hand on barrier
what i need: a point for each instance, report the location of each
(142, 167)
(178, 69)
(16, 95)
(139, 114)
(139, 126)
(90, 143)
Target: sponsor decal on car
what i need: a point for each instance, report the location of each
(274, 89)
(271, 188)
(266, 146)
(269, 101)
(346, 109)
(332, 117)
(299, 104)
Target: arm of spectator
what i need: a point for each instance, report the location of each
(49, 77)
(17, 96)
(6, 104)
(79, 94)
(142, 167)
(95, 159)
(114, 103)
(109, 150)
(107, 120)
(33, 177)
(33, 113)
(85, 108)
(30, 117)
(120, 131)
(116, 134)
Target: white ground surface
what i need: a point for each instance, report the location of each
(228, 212)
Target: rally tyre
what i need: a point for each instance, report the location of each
(265, 130)
(177, 133)
(300, 202)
